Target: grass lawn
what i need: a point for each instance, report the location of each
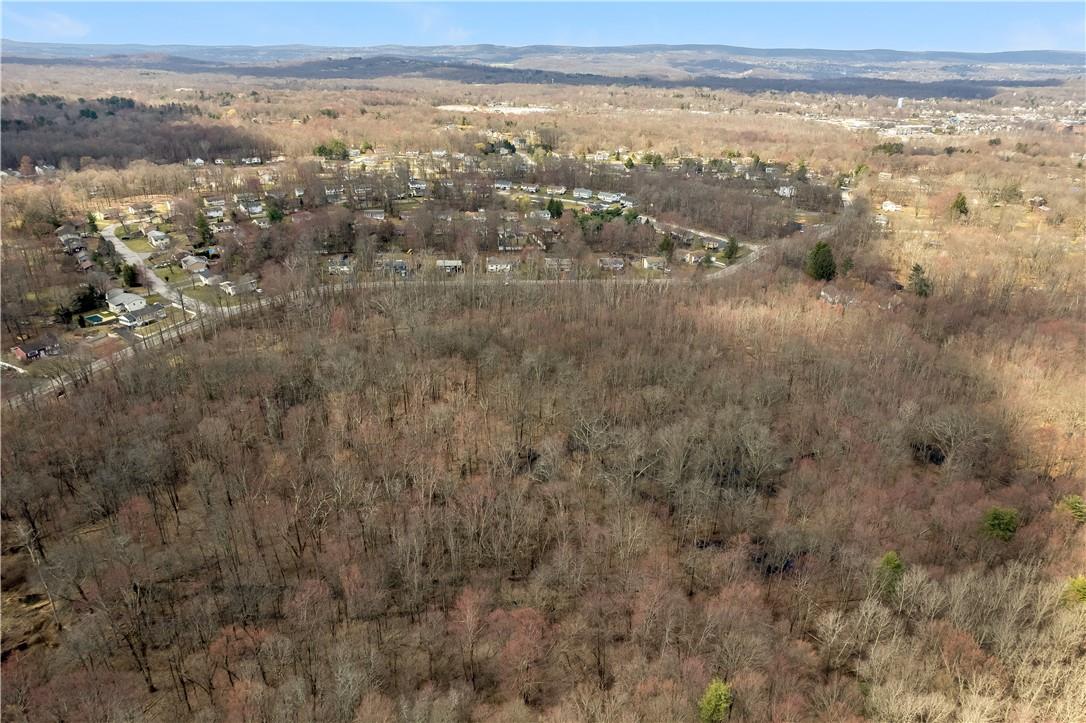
(743, 251)
(171, 274)
(140, 245)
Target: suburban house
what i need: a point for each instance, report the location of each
(375, 214)
(215, 202)
(890, 207)
(141, 317)
(121, 301)
(503, 185)
(192, 264)
(557, 264)
(655, 263)
(786, 191)
(206, 278)
(612, 263)
(244, 285)
(583, 194)
(71, 241)
(83, 259)
(214, 213)
(450, 266)
(495, 265)
(711, 244)
(140, 209)
(556, 190)
(608, 197)
(340, 265)
(391, 266)
(530, 188)
(46, 345)
(158, 239)
(693, 258)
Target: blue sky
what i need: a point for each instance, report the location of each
(972, 26)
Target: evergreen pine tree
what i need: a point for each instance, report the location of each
(919, 283)
(820, 263)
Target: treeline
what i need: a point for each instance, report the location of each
(115, 131)
(571, 502)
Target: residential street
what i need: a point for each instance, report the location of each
(52, 387)
(156, 284)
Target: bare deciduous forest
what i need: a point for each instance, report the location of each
(555, 501)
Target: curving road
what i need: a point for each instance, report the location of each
(154, 282)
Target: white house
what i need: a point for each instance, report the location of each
(503, 185)
(450, 266)
(158, 239)
(655, 263)
(121, 301)
(556, 190)
(206, 278)
(890, 207)
(786, 191)
(243, 285)
(608, 197)
(496, 265)
(582, 193)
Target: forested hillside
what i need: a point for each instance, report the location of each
(562, 502)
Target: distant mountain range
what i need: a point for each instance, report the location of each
(858, 72)
(508, 54)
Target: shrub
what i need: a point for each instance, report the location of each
(1076, 589)
(960, 206)
(890, 148)
(1001, 523)
(716, 702)
(1076, 506)
(889, 571)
